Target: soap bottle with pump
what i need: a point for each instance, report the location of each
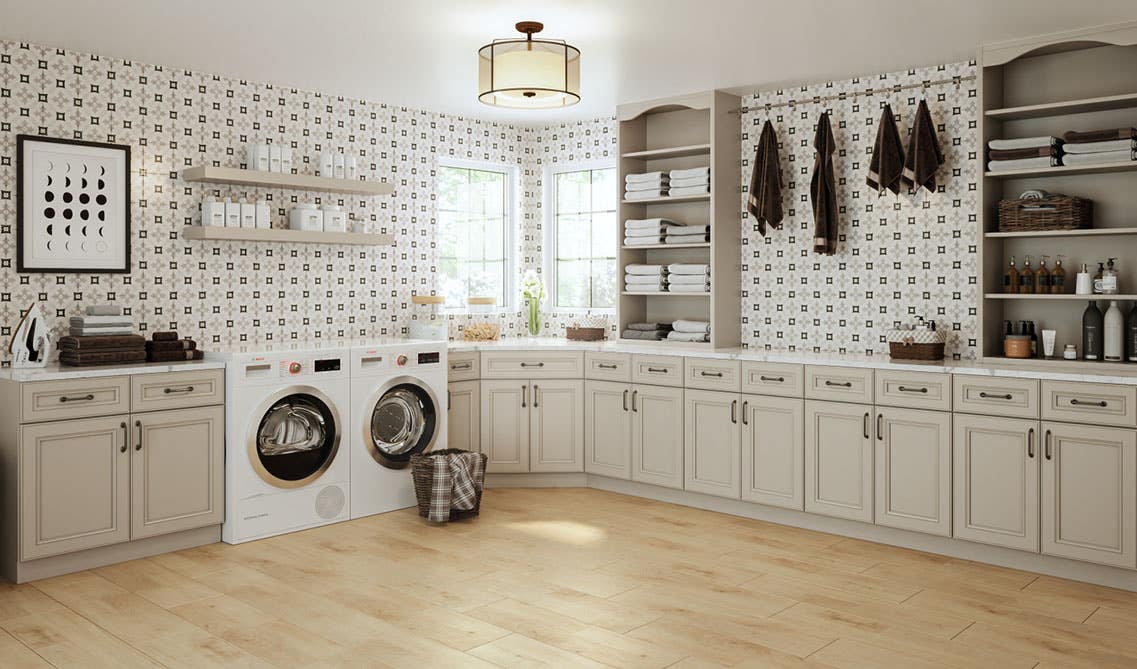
(1098, 278)
(1042, 277)
(1109, 282)
(1114, 333)
(1084, 282)
(1058, 278)
(1092, 324)
(1011, 278)
(1026, 278)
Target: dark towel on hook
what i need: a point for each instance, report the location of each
(823, 190)
(765, 200)
(924, 154)
(1100, 135)
(887, 165)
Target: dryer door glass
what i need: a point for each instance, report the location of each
(296, 438)
(403, 423)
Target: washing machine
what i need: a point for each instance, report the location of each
(287, 460)
(398, 409)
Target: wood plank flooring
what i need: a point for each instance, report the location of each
(563, 578)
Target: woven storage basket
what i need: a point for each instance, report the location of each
(916, 344)
(584, 334)
(1053, 213)
(422, 470)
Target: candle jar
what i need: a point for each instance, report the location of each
(1017, 346)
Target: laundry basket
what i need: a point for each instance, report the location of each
(422, 470)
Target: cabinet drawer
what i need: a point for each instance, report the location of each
(1095, 403)
(74, 398)
(913, 390)
(839, 384)
(608, 366)
(709, 374)
(463, 366)
(532, 365)
(660, 370)
(1014, 398)
(773, 378)
(177, 390)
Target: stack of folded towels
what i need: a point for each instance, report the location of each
(647, 231)
(688, 234)
(684, 330)
(689, 278)
(647, 331)
(645, 278)
(689, 182)
(101, 319)
(1096, 147)
(1025, 153)
(646, 186)
(167, 347)
(101, 337)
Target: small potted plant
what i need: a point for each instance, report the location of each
(533, 290)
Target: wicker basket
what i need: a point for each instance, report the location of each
(1059, 212)
(422, 470)
(899, 350)
(584, 334)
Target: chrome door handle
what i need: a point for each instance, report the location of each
(1049, 453)
(81, 398)
(1030, 443)
(524, 391)
(733, 411)
(745, 404)
(867, 435)
(905, 389)
(532, 364)
(1076, 402)
(634, 393)
(989, 396)
(125, 437)
(625, 399)
(776, 379)
(717, 375)
(170, 391)
(845, 384)
(879, 429)
(536, 389)
(138, 425)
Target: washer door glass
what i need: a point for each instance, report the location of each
(403, 423)
(297, 437)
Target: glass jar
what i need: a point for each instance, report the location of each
(428, 321)
(485, 321)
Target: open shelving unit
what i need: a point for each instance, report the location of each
(1078, 80)
(678, 133)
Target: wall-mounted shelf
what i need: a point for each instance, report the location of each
(638, 247)
(1064, 107)
(666, 294)
(672, 152)
(238, 177)
(1085, 232)
(1064, 296)
(219, 234)
(671, 200)
(1064, 170)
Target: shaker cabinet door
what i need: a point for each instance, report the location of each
(464, 408)
(773, 451)
(505, 426)
(608, 429)
(913, 470)
(657, 435)
(712, 443)
(556, 426)
(839, 460)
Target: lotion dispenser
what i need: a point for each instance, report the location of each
(1114, 334)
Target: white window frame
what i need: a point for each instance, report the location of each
(512, 209)
(549, 255)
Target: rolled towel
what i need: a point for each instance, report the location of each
(1023, 143)
(645, 176)
(689, 336)
(690, 173)
(647, 335)
(690, 287)
(645, 269)
(1101, 147)
(688, 279)
(1102, 135)
(650, 223)
(1034, 194)
(693, 181)
(681, 325)
(1019, 154)
(643, 241)
(648, 326)
(1100, 158)
(1023, 164)
(688, 268)
(645, 194)
(689, 192)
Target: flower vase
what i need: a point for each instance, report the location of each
(534, 317)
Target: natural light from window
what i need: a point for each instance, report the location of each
(473, 239)
(584, 238)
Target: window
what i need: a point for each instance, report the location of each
(582, 248)
(474, 222)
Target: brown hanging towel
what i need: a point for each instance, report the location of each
(924, 154)
(887, 163)
(765, 200)
(823, 191)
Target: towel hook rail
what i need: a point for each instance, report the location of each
(957, 81)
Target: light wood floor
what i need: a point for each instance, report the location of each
(567, 577)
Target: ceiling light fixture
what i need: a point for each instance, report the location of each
(529, 73)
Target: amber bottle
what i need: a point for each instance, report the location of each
(1042, 278)
(1058, 278)
(1011, 278)
(1026, 278)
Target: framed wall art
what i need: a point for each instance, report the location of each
(73, 206)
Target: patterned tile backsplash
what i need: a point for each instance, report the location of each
(915, 255)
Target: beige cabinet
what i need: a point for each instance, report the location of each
(996, 481)
(463, 408)
(608, 429)
(556, 426)
(913, 470)
(74, 485)
(177, 470)
(505, 425)
(657, 435)
(712, 443)
(1089, 493)
(773, 451)
(838, 460)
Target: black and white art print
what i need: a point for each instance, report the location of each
(73, 201)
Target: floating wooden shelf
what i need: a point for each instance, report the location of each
(671, 152)
(1087, 232)
(667, 294)
(1072, 298)
(1065, 170)
(671, 200)
(701, 245)
(219, 234)
(239, 177)
(1081, 106)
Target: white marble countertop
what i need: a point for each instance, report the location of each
(57, 372)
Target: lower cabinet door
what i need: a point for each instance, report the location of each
(607, 429)
(505, 425)
(74, 486)
(177, 470)
(463, 410)
(1089, 493)
(913, 470)
(996, 468)
(657, 435)
(712, 444)
(839, 460)
(773, 451)
(556, 426)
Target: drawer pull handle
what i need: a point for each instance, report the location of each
(1076, 402)
(535, 389)
(125, 437)
(905, 389)
(839, 384)
(745, 405)
(775, 379)
(733, 411)
(634, 394)
(603, 365)
(461, 365)
(138, 424)
(1030, 443)
(524, 392)
(81, 398)
(867, 426)
(625, 399)
(532, 364)
(171, 391)
(717, 375)
(989, 396)
(879, 429)
(1049, 453)
(657, 370)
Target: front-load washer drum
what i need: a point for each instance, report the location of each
(403, 422)
(296, 439)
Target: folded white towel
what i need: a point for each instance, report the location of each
(645, 194)
(641, 280)
(1024, 164)
(1099, 158)
(89, 321)
(687, 239)
(1023, 143)
(645, 232)
(645, 269)
(682, 325)
(646, 176)
(640, 223)
(689, 336)
(690, 191)
(645, 185)
(691, 181)
(643, 241)
(689, 279)
(98, 332)
(688, 268)
(689, 230)
(1099, 147)
(690, 288)
(647, 289)
(689, 173)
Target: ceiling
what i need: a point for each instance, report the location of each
(421, 53)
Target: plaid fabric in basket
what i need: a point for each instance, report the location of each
(457, 481)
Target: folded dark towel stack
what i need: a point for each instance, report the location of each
(167, 347)
(88, 350)
(1052, 151)
(164, 336)
(1104, 135)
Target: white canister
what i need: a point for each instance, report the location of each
(232, 214)
(338, 165)
(357, 225)
(286, 159)
(274, 159)
(327, 164)
(335, 219)
(263, 215)
(306, 216)
(212, 212)
(350, 167)
(256, 157)
(248, 215)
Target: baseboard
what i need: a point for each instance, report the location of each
(1113, 577)
(550, 480)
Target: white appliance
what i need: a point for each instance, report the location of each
(398, 409)
(287, 460)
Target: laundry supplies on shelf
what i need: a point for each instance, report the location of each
(689, 278)
(646, 186)
(168, 347)
(106, 324)
(1024, 153)
(690, 331)
(690, 182)
(654, 231)
(647, 331)
(645, 278)
(688, 234)
(1099, 147)
(91, 350)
